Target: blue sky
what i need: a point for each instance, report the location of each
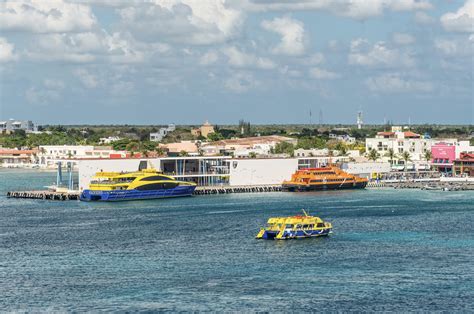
(266, 61)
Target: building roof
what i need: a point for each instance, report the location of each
(253, 140)
(186, 146)
(465, 157)
(386, 133)
(17, 151)
(410, 134)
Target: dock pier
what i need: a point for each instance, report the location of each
(207, 190)
(44, 195)
(200, 190)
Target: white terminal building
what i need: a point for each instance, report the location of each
(216, 170)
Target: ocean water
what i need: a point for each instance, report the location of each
(391, 250)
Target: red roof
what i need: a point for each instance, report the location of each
(386, 133)
(411, 134)
(465, 157)
(16, 152)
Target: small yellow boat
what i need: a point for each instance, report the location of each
(295, 227)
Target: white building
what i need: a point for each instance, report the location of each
(368, 169)
(401, 141)
(206, 170)
(343, 138)
(162, 132)
(108, 140)
(48, 155)
(12, 125)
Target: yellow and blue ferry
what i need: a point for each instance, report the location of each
(294, 227)
(139, 185)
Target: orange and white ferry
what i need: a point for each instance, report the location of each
(327, 178)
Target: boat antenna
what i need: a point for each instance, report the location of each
(305, 213)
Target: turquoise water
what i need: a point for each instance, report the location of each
(392, 250)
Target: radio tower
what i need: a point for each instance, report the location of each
(320, 116)
(359, 120)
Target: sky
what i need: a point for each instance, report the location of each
(265, 61)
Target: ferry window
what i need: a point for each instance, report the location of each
(320, 225)
(289, 226)
(169, 185)
(156, 178)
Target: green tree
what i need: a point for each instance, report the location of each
(183, 153)
(428, 156)
(373, 155)
(391, 155)
(406, 157)
(216, 136)
(252, 155)
(285, 148)
(160, 151)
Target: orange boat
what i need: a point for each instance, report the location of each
(327, 178)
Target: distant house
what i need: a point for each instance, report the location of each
(464, 165)
(12, 125)
(108, 140)
(16, 158)
(174, 149)
(162, 132)
(204, 130)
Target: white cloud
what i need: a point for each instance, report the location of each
(403, 39)
(87, 79)
(7, 51)
(364, 54)
(395, 83)
(53, 84)
(423, 18)
(455, 47)
(241, 82)
(89, 47)
(40, 16)
(48, 91)
(460, 21)
(358, 9)
(321, 74)
(183, 21)
(293, 41)
(208, 58)
(241, 59)
(122, 88)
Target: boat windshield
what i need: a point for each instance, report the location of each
(113, 180)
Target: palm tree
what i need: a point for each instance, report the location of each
(391, 155)
(428, 156)
(160, 151)
(373, 155)
(406, 157)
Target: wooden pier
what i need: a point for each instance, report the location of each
(44, 195)
(208, 190)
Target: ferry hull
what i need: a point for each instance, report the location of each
(129, 195)
(322, 187)
(295, 234)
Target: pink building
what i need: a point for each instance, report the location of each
(443, 156)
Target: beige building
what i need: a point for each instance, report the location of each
(204, 130)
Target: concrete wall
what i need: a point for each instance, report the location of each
(366, 169)
(88, 168)
(261, 171)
